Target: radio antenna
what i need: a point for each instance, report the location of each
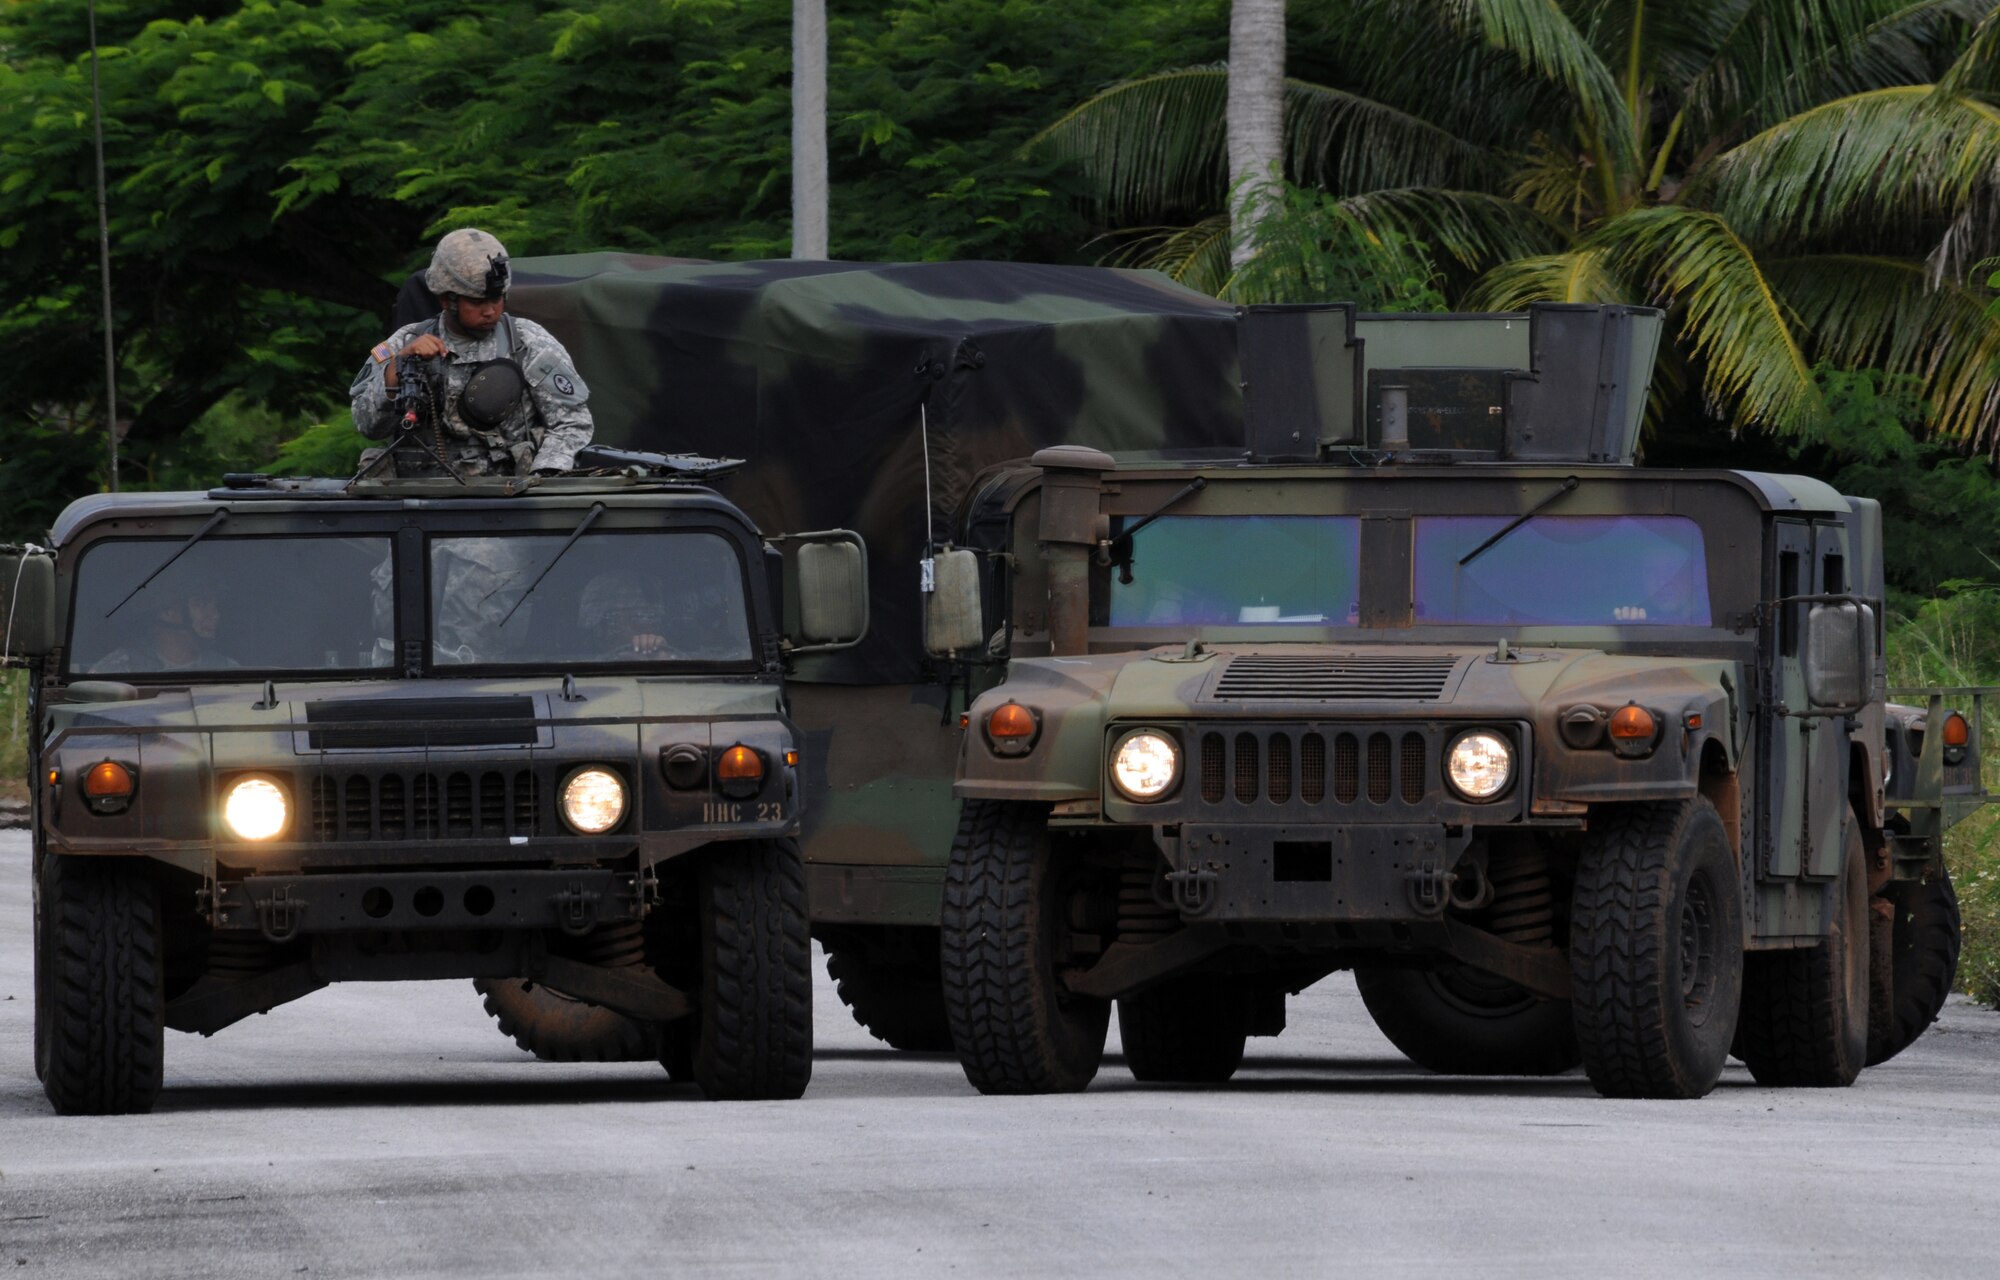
(104, 262)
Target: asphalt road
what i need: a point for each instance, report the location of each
(389, 1130)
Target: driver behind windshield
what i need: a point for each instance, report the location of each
(623, 616)
(180, 635)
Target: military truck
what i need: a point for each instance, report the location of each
(292, 732)
(1568, 759)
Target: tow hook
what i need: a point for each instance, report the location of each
(576, 910)
(1193, 890)
(279, 915)
(1430, 887)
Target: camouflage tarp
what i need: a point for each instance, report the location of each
(815, 372)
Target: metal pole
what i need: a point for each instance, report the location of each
(104, 261)
(809, 181)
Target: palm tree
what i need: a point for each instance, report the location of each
(1256, 115)
(1802, 182)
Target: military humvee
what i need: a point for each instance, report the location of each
(287, 733)
(1570, 760)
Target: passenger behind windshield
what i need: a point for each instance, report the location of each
(1562, 571)
(611, 597)
(227, 604)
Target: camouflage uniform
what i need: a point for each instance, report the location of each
(551, 422)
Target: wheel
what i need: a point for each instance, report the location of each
(43, 999)
(1656, 950)
(1805, 1013)
(1186, 1030)
(559, 1028)
(99, 1005)
(1458, 1021)
(1014, 1026)
(1923, 964)
(899, 1002)
(754, 1034)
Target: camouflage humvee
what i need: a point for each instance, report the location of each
(288, 733)
(1569, 760)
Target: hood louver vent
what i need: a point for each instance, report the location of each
(421, 722)
(1268, 678)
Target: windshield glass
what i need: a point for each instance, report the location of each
(612, 597)
(1240, 570)
(1562, 571)
(236, 605)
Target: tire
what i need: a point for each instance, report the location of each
(1186, 1030)
(1656, 950)
(100, 1042)
(1804, 1022)
(1457, 1021)
(754, 1032)
(559, 1028)
(1923, 953)
(900, 1004)
(1015, 1028)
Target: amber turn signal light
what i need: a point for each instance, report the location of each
(740, 771)
(1632, 722)
(1011, 720)
(1956, 731)
(109, 781)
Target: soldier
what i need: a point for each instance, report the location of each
(528, 408)
(623, 616)
(180, 636)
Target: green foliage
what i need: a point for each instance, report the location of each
(277, 166)
(13, 733)
(1309, 248)
(327, 449)
(1796, 183)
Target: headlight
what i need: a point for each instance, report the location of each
(255, 809)
(1145, 764)
(1480, 764)
(593, 800)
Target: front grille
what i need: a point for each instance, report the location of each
(1316, 767)
(1253, 677)
(426, 806)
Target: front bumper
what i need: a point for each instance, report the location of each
(1289, 873)
(283, 907)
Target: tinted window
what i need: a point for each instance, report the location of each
(611, 598)
(234, 605)
(1240, 570)
(1562, 571)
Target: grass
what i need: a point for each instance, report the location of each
(13, 735)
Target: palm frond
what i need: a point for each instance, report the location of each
(1347, 143)
(1196, 256)
(1149, 145)
(1581, 275)
(1731, 319)
(1157, 144)
(1546, 42)
(1877, 161)
(1868, 312)
(1909, 45)
(1471, 228)
(1767, 44)
(1978, 66)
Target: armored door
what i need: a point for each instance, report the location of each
(1804, 767)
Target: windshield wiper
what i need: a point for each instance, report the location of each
(589, 517)
(1568, 486)
(1124, 562)
(182, 550)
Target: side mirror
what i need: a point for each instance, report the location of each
(1840, 643)
(27, 604)
(829, 574)
(954, 619)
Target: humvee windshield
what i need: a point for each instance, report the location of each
(1561, 571)
(1592, 570)
(1241, 569)
(612, 597)
(232, 605)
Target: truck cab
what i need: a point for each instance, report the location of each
(294, 732)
